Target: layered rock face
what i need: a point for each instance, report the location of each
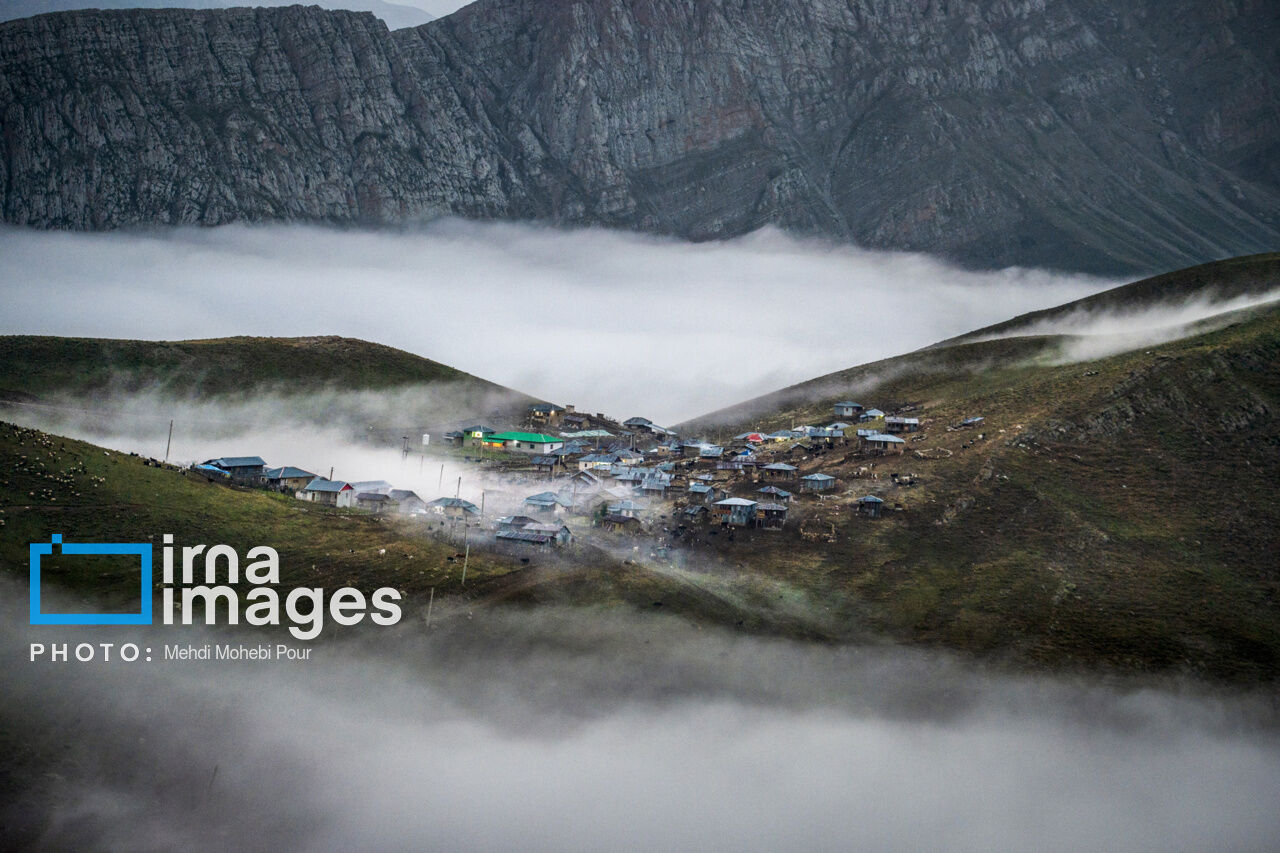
(1108, 137)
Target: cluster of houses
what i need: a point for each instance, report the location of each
(617, 475)
(376, 496)
(621, 473)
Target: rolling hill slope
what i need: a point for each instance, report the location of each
(341, 377)
(1124, 509)
(41, 364)
(1021, 337)
(1121, 512)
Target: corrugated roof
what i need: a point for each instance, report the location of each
(869, 499)
(319, 484)
(735, 502)
(780, 466)
(879, 436)
(822, 477)
(525, 536)
(518, 520)
(529, 437)
(772, 507)
(456, 503)
(288, 472)
(238, 461)
(544, 527)
(372, 496)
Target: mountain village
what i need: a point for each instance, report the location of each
(566, 472)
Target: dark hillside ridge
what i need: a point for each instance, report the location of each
(1105, 137)
(1254, 275)
(1222, 280)
(34, 364)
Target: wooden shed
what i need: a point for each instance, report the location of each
(771, 516)
(779, 471)
(738, 512)
(817, 483)
(869, 506)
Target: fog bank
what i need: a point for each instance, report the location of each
(562, 730)
(621, 323)
(1094, 333)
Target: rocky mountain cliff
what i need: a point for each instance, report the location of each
(1079, 134)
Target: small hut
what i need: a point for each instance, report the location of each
(738, 512)
(895, 425)
(869, 506)
(773, 493)
(771, 516)
(880, 444)
(817, 483)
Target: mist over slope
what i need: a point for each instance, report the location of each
(565, 730)
(1068, 529)
(1088, 136)
(558, 314)
(1166, 307)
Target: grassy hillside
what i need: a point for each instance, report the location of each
(1238, 277)
(58, 485)
(1250, 275)
(1122, 511)
(50, 484)
(37, 366)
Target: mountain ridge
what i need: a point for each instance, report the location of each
(1079, 136)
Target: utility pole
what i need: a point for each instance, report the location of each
(466, 555)
(458, 493)
(430, 601)
(440, 485)
(168, 444)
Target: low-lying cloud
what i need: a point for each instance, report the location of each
(614, 322)
(322, 433)
(1094, 333)
(562, 731)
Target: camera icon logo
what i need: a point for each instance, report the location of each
(140, 549)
